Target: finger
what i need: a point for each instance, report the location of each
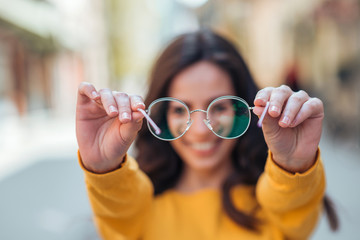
(137, 102)
(278, 97)
(312, 108)
(292, 107)
(108, 102)
(87, 91)
(123, 103)
(263, 96)
(261, 100)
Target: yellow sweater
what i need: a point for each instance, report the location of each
(125, 208)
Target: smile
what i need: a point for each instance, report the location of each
(205, 146)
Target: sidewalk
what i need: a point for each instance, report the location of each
(342, 165)
(42, 189)
(25, 141)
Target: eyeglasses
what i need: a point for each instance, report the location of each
(228, 117)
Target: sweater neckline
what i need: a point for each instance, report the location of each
(204, 191)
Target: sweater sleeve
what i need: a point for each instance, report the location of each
(120, 200)
(292, 202)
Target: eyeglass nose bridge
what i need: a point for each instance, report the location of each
(206, 121)
(198, 110)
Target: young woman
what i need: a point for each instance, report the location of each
(210, 172)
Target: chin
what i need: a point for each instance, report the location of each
(205, 164)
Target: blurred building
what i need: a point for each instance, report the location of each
(327, 48)
(46, 49)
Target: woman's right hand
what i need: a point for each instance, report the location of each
(107, 122)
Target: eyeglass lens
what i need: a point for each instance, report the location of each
(226, 117)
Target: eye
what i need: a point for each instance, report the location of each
(219, 108)
(177, 110)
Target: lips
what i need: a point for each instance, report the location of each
(204, 149)
(206, 146)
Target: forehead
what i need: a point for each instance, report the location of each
(202, 81)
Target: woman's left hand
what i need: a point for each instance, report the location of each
(292, 126)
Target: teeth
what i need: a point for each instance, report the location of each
(203, 146)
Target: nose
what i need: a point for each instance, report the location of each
(198, 126)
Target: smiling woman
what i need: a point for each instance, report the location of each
(203, 184)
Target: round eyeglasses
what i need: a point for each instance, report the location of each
(227, 117)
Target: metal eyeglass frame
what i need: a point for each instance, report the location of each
(150, 123)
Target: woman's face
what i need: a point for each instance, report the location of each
(197, 86)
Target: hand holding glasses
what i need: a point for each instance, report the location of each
(227, 117)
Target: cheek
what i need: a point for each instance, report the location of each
(223, 125)
(176, 126)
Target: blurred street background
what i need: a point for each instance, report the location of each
(47, 47)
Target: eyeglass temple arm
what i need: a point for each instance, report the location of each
(261, 119)
(152, 123)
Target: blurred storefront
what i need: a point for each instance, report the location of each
(44, 56)
(46, 49)
(327, 49)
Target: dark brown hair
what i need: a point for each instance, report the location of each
(249, 154)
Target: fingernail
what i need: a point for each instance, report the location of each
(125, 115)
(94, 94)
(285, 120)
(275, 109)
(112, 109)
(140, 105)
